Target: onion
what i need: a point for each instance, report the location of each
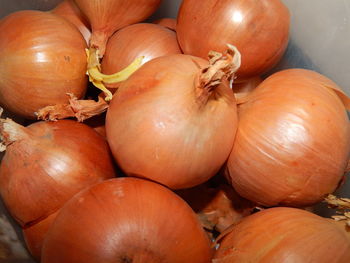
(46, 163)
(41, 59)
(69, 11)
(293, 140)
(174, 120)
(167, 22)
(147, 40)
(108, 16)
(284, 235)
(126, 220)
(217, 207)
(259, 29)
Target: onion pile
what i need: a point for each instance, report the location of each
(284, 235)
(204, 143)
(259, 29)
(69, 11)
(133, 221)
(293, 140)
(42, 58)
(139, 40)
(174, 120)
(45, 164)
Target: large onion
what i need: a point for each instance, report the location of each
(259, 29)
(42, 58)
(284, 235)
(68, 10)
(131, 42)
(46, 163)
(174, 120)
(107, 16)
(126, 220)
(293, 140)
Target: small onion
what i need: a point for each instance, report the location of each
(42, 58)
(167, 22)
(126, 220)
(174, 120)
(293, 140)
(108, 16)
(284, 235)
(69, 11)
(144, 39)
(46, 163)
(259, 29)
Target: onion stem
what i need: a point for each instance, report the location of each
(98, 79)
(342, 204)
(10, 132)
(220, 66)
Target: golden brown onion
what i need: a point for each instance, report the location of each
(174, 120)
(284, 235)
(42, 58)
(126, 220)
(46, 163)
(144, 39)
(293, 140)
(69, 11)
(259, 29)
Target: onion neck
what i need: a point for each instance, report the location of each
(98, 79)
(222, 67)
(11, 132)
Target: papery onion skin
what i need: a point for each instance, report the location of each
(69, 11)
(293, 140)
(166, 22)
(144, 39)
(259, 29)
(108, 16)
(42, 58)
(133, 220)
(217, 207)
(160, 127)
(48, 164)
(284, 235)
